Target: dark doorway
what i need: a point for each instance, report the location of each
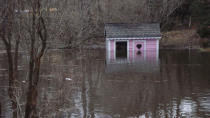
(121, 49)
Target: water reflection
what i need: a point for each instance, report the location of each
(136, 61)
(145, 86)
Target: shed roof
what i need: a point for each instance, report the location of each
(122, 30)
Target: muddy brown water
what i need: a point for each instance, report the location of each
(81, 84)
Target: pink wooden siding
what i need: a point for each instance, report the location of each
(139, 57)
(130, 51)
(151, 44)
(148, 52)
(112, 50)
(151, 50)
(151, 56)
(130, 44)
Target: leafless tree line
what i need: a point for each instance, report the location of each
(12, 27)
(79, 20)
(76, 21)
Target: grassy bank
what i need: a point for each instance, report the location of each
(204, 49)
(179, 39)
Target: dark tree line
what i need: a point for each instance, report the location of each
(200, 13)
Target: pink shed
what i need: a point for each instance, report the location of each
(132, 43)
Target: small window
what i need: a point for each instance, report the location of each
(139, 46)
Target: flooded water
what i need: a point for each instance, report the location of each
(87, 84)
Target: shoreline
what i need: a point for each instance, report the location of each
(104, 47)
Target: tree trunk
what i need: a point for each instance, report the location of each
(38, 28)
(12, 79)
(30, 111)
(190, 21)
(6, 37)
(32, 94)
(0, 109)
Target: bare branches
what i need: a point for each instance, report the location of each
(38, 35)
(35, 31)
(6, 33)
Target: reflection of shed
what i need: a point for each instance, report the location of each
(137, 64)
(128, 41)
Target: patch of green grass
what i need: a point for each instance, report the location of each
(204, 50)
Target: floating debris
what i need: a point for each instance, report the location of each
(3, 69)
(69, 79)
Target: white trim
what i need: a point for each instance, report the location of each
(109, 49)
(145, 50)
(157, 49)
(137, 38)
(128, 46)
(133, 52)
(114, 49)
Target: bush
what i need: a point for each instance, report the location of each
(200, 10)
(204, 32)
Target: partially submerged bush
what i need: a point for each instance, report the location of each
(204, 33)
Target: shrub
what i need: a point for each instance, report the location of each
(204, 32)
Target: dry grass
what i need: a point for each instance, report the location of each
(179, 39)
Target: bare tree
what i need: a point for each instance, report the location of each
(80, 20)
(38, 38)
(7, 24)
(0, 108)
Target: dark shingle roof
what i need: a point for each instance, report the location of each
(120, 30)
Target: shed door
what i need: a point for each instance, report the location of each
(121, 49)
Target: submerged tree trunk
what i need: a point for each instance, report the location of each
(12, 69)
(0, 109)
(39, 33)
(12, 85)
(190, 21)
(6, 32)
(30, 111)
